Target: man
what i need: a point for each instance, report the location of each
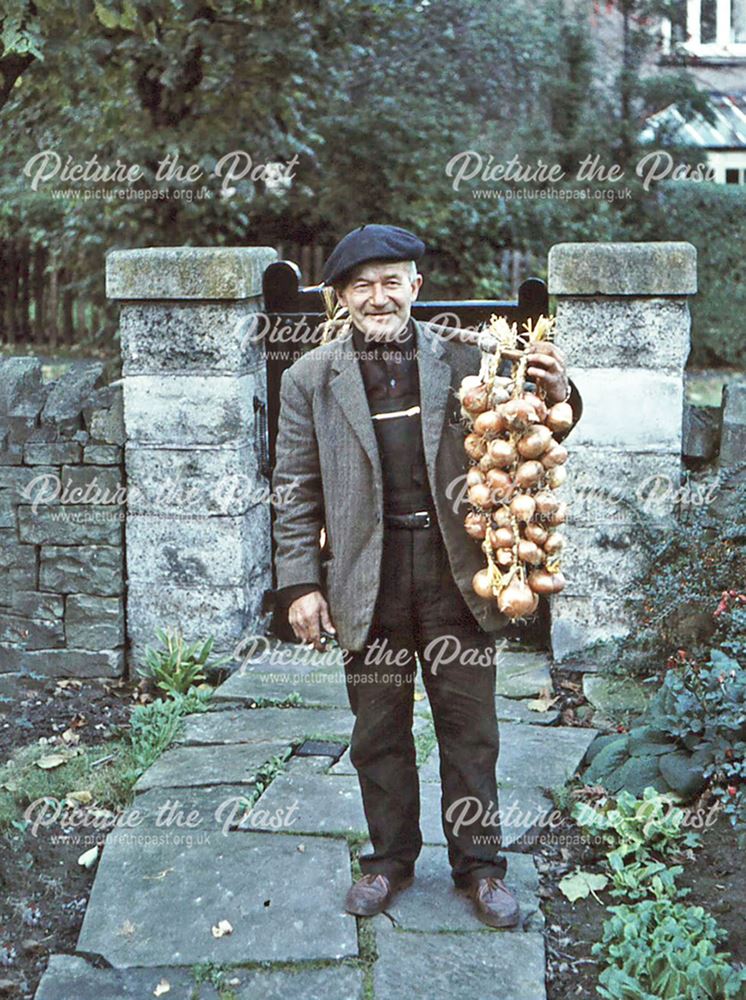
(371, 440)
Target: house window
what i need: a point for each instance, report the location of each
(738, 22)
(732, 176)
(713, 28)
(708, 22)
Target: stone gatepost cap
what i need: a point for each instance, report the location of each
(187, 272)
(623, 269)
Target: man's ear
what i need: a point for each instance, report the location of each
(417, 285)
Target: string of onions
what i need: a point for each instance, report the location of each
(516, 465)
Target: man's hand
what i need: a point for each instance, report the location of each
(308, 615)
(547, 368)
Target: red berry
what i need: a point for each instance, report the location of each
(731, 790)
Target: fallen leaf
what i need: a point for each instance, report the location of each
(159, 876)
(419, 696)
(87, 858)
(543, 703)
(69, 682)
(580, 884)
(51, 760)
(163, 987)
(70, 736)
(127, 929)
(222, 928)
(83, 797)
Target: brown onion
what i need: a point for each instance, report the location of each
(481, 583)
(503, 557)
(523, 506)
(528, 474)
(518, 413)
(501, 517)
(546, 503)
(559, 516)
(560, 417)
(501, 538)
(502, 452)
(541, 582)
(535, 441)
(469, 382)
(475, 400)
(516, 600)
(490, 423)
(529, 552)
(554, 543)
(476, 525)
(475, 446)
(538, 404)
(556, 454)
(480, 495)
(500, 484)
(474, 476)
(559, 582)
(499, 395)
(556, 476)
(535, 533)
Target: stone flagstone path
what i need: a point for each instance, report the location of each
(201, 845)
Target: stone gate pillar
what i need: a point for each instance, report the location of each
(197, 528)
(623, 322)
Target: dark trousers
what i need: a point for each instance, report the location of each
(420, 612)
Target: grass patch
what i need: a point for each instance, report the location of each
(425, 742)
(106, 772)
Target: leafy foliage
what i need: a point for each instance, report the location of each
(176, 667)
(637, 826)
(660, 949)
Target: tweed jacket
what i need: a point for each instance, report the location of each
(328, 473)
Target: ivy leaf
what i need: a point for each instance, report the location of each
(580, 884)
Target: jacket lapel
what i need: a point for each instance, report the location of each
(435, 382)
(349, 391)
(435, 385)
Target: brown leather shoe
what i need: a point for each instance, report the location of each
(494, 903)
(371, 894)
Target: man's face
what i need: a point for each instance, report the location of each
(379, 297)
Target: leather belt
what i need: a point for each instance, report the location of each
(419, 519)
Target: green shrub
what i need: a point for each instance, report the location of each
(660, 949)
(176, 668)
(632, 826)
(713, 218)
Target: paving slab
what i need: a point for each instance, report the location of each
(522, 675)
(531, 755)
(489, 965)
(69, 977)
(317, 681)
(517, 710)
(192, 766)
(203, 808)
(531, 758)
(283, 897)
(610, 694)
(320, 803)
(344, 764)
(260, 725)
(432, 902)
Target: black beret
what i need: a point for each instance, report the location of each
(371, 242)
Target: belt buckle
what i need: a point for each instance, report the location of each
(426, 514)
